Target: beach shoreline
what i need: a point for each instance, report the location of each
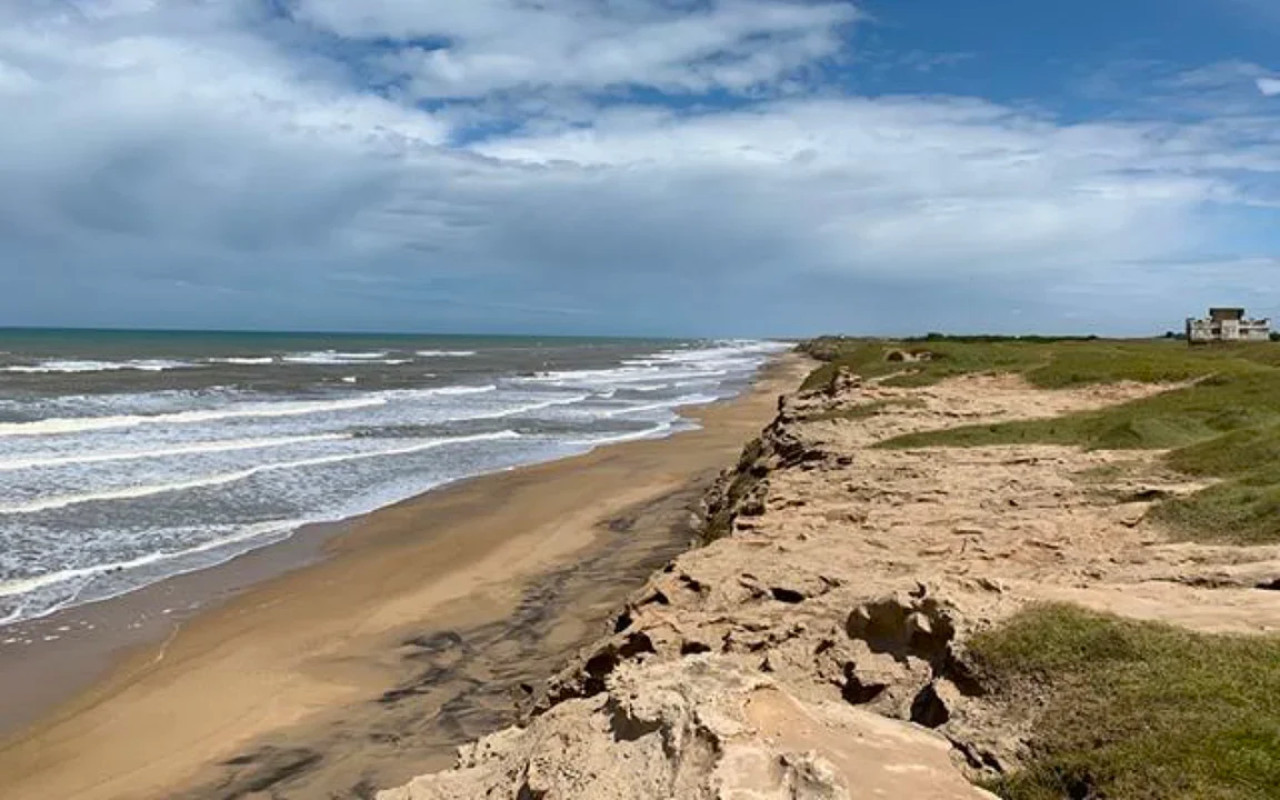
(913, 586)
(304, 626)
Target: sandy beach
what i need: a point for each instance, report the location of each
(834, 638)
(334, 675)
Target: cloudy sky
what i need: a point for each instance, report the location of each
(685, 167)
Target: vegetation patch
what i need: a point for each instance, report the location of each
(1245, 511)
(1207, 410)
(1046, 362)
(1136, 710)
(931, 361)
(1224, 424)
(858, 356)
(866, 410)
(1126, 709)
(719, 519)
(1237, 453)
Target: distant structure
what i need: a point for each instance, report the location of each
(1228, 325)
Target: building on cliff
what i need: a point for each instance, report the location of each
(1228, 325)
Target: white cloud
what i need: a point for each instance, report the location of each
(871, 188)
(481, 46)
(14, 79)
(133, 129)
(194, 157)
(1230, 78)
(106, 9)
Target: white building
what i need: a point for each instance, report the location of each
(1228, 325)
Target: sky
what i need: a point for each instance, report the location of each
(638, 167)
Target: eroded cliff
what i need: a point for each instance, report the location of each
(816, 646)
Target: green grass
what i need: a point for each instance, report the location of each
(863, 357)
(1136, 711)
(1047, 363)
(1225, 424)
(1217, 405)
(719, 523)
(1236, 453)
(1243, 511)
(1127, 709)
(866, 409)
(869, 358)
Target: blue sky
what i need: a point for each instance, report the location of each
(684, 167)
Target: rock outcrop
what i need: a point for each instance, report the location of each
(814, 647)
(699, 727)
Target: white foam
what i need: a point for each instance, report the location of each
(223, 446)
(245, 360)
(687, 384)
(685, 400)
(27, 585)
(524, 409)
(623, 377)
(63, 425)
(617, 373)
(459, 390)
(322, 357)
(700, 368)
(134, 492)
(142, 365)
(647, 433)
(649, 373)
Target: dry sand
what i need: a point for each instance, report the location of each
(331, 680)
(819, 647)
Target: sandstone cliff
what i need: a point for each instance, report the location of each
(815, 646)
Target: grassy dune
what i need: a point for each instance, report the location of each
(1138, 710)
(1223, 423)
(1127, 709)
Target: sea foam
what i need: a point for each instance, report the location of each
(120, 485)
(64, 425)
(141, 365)
(134, 492)
(216, 446)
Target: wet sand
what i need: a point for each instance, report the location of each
(385, 642)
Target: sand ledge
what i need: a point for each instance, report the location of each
(817, 649)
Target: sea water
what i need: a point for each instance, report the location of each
(128, 457)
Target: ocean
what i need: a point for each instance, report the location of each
(128, 457)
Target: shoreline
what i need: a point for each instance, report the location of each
(900, 599)
(309, 624)
(80, 644)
